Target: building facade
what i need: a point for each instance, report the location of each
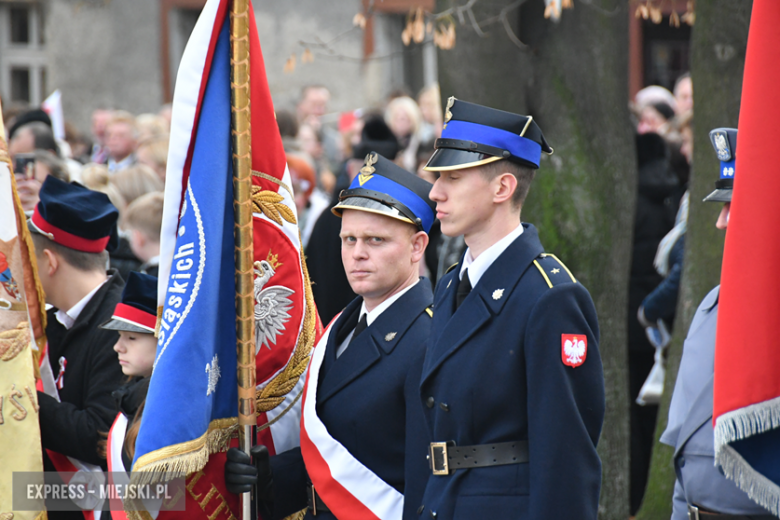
(124, 53)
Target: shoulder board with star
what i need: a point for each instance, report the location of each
(553, 270)
(450, 268)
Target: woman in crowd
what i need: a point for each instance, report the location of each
(404, 118)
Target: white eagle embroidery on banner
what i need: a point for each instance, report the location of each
(272, 306)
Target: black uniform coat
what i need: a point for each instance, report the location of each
(71, 427)
(368, 400)
(494, 372)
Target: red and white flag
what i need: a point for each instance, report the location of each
(746, 396)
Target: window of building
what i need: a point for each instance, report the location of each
(667, 51)
(19, 25)
(20, 85)
(22, 53)
(178, 19)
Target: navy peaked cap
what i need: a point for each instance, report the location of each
(724, 140)
(474, 135)
(75, 217)
(387, 189)
(137, 310)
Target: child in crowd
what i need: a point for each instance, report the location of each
(142, 222)
(134, 318)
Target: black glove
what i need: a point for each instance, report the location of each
(241, 474)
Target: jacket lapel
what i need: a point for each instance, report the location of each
(345, 323)
(486, 300)
(381, 336)
(359, 356)
(700, 413)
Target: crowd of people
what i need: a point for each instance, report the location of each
(125, 157)
(664, 144)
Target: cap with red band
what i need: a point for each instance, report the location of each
(67, 239)
(75, 217)
(136, 312)
(130, 314)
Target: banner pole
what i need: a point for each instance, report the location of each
(244, 252)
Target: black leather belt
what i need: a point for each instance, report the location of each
(316, 505)
(445, 457)
(695, 513)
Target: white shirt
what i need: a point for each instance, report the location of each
(373, 315)
(69, 317)
(478, 266)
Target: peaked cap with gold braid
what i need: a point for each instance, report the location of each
(474, 135)
(383, 187)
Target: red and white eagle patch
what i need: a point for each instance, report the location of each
(574, 349)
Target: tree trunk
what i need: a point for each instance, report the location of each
(573, 78)
(718, 45)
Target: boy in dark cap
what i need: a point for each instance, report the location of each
(73, 229)
(701, 490)
(512, 385)
(363, 437)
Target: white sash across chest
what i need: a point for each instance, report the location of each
(349, 489)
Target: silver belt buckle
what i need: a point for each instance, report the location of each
(693, 512)
(439, 458)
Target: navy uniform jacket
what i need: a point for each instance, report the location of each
(690, 431)
(494, 373)
(368, 400)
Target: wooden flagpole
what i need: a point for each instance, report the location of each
(242, 207)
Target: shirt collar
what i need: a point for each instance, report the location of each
(115, 166)
(382, 307)
(68, 318)
(477, 267)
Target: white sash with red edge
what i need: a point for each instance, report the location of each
(117, 476)
(116, 439)
(349, 489)
(89, 474)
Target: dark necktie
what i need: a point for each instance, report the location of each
(464, 288)
(361, 326)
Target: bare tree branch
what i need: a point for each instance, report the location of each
(511, 34)
(606, 12)
(475, 24)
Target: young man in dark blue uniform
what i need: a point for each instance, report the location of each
(363, 439)
(701, 491)
(512, 383)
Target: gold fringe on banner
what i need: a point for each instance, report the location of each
(139, 515)
(297, 516)
(184, 458)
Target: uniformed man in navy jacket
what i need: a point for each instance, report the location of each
(512, 383)
(363, 437)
